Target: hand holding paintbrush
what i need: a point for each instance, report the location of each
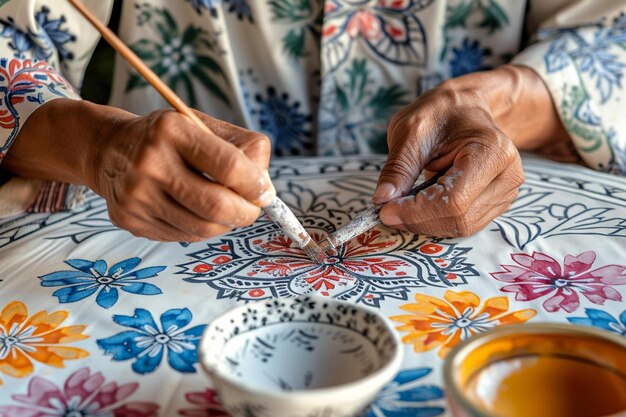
(276, 210)
(365, 220)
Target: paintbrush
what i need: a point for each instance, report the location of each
(277, 210)
(365, 220)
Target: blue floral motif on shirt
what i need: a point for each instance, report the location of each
(602, 320)
(146, 343)
(52, 36)
(239, 7)
(468, 58)
(591, 55)
(90, 277)
(405, 396)
(282, 120)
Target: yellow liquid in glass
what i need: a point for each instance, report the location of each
(547, 386)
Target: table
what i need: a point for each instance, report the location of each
(96, 322)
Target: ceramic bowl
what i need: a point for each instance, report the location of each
(302, 357)
(538, 370)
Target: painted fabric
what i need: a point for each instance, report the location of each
(96, 322)
(321, 77)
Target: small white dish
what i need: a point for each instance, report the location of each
(302, 357)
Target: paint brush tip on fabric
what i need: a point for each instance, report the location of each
(314, 252)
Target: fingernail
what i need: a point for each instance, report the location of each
(390, 219)
(384, 192)
(268, 192)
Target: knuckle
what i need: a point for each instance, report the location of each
(232, 166)
(259, 142)
(405, 167)
(458, 205)
(213, 208)
(164, 123)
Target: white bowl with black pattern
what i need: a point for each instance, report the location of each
(302, 357)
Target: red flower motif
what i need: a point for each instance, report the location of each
(19, 81)
(207, 402)
(82, 394)
(256, 264)
(540, 275)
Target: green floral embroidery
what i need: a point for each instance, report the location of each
(493, 18)
(308, 15)
(574, 100)
(358, 111)
(178, 58)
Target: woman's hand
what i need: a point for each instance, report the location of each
(150, 169)
(471, 128)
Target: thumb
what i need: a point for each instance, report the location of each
(404, 165)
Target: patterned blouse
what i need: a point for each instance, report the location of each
(319, 77)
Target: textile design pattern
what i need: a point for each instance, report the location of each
(99, 320)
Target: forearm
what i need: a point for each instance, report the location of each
(61, 141)
(520, 104)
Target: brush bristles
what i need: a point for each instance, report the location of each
(326, 245)
(314, 252)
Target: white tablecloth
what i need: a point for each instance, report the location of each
(98, 322)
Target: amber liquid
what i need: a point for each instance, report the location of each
(547, 386)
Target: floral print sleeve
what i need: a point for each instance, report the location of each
(44, 49)
(583, 66)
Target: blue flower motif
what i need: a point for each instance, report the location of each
(240, 7)
(147, 343)
(284, 124)
(602, 320)
(53, 34)
(90, 277)
(405, 397)
(210, 5)
(468, 58)
(592, 56)
(21, 42)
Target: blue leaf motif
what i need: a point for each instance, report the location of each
(407, 397)
(56, 279)
(122, 346)
(74, 293)
(107, 297)
(145, 272)
(557, 57)
(84, 265)
(585, 114)
(142, 288)
(124, 266)
(602, 320)
(141, 320)
(176, 318)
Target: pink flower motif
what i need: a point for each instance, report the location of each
(540, 275)
(83, 394)
(364, 23)
(208, 405)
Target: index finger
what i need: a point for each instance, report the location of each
(255, 145)
(225, 163)
(474, 169)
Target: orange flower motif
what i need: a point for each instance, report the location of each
(434, 322)
(38, 338)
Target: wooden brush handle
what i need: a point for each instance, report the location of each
(166, 92)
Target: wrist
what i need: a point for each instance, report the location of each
(522, 108)
(519, 103)
(62, 140)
